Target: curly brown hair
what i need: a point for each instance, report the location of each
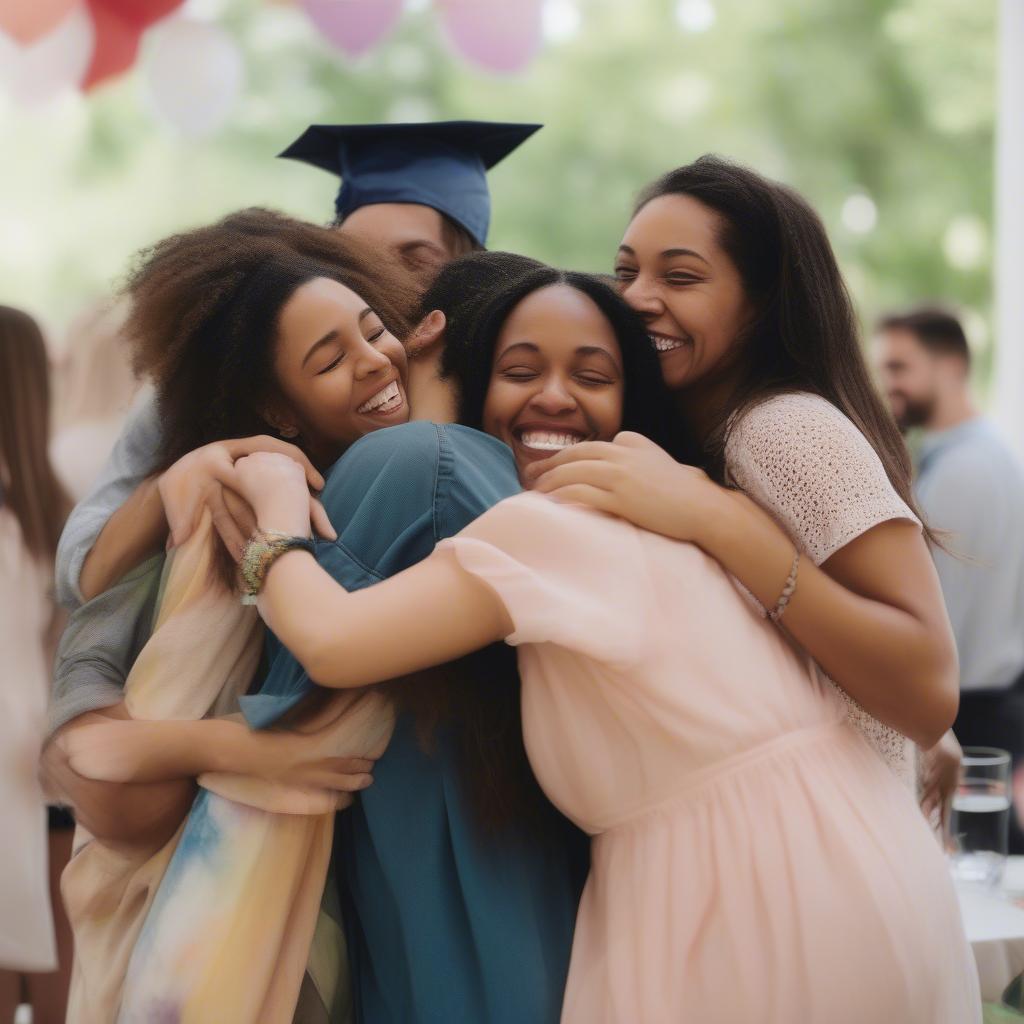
(205, 305)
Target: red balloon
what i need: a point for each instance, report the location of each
(140, 13)
(119, 24)
(117, 45)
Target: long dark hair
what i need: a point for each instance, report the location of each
(805, 335)
(28, 484)
(464, 287)
(205, 306)
(480, 694)
(476, 698)
(647, 406)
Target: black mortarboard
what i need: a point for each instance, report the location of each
(441, 164)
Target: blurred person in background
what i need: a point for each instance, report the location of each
(969, 485)
(33, 505)
(94, 388)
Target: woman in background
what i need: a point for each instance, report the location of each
(94, 389)
(33, 506)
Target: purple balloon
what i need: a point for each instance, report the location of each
(498, 35)
(353, 25)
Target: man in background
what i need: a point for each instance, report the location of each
(970, 488)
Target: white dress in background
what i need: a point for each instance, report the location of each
(804, 462)
(26, 920)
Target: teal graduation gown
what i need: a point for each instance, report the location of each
(446, 923)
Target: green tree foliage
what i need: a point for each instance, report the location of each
(889, 101)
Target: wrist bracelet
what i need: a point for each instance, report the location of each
(263, 548)
(787, 591)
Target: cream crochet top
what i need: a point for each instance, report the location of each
(804, 462)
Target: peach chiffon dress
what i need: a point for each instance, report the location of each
(753, 858)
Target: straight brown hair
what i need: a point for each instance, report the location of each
(30, 488)
(805, 336)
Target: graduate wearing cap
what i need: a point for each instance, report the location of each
(419, 190)
(445, 922)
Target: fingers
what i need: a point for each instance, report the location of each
(596, 474)
(225, 525)
(181, 508)
(240, 511)
(321, 523)
(631, 439)
(329, 774)
(265, 443)
(575, 453)
(585, 494)
(929, 802)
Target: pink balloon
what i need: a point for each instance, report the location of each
(25, 22)
(498, 35)
(353, 25)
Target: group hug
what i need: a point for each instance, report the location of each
(463, 640)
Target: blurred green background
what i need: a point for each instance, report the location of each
(880, 111)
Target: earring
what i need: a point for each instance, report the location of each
(288, 431)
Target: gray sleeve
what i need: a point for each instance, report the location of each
(962, 498)
(100, 644)
(131, 460)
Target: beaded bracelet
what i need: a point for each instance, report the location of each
(787, 591)
(262, 550)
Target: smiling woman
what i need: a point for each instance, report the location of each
(350, 380)
(548, 390)
(555, 359)
(293, 332)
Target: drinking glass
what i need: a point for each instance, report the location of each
(980, 819)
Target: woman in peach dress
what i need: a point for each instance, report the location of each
(753, 858)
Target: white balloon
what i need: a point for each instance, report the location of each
(193, 74)
(57, 62)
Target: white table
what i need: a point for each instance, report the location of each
(995, 930)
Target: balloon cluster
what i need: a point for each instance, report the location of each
(193, 71)
(50, 44)
(497, 35)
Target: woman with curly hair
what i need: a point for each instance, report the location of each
(258, 325)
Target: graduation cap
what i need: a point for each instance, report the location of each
(442, 164)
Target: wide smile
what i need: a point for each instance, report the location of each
(385, 402)
(547, 441)
(534, 442)
(668, 343)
